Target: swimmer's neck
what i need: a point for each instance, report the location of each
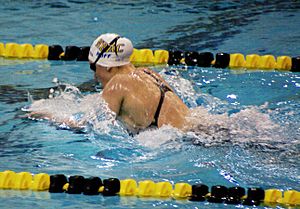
(124, 69)
(104, 75)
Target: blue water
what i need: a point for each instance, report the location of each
(267, 158)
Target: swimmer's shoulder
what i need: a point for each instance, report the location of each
(120, 83)
(122, 78)
(152, 73)
(131, 80)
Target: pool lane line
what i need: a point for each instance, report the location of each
(157, 57)
(77, 184)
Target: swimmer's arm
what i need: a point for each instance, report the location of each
(113, 93)
(71, 123)
(39, 115)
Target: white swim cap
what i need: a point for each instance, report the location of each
(113, 54)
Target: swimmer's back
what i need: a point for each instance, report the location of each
(138, 96)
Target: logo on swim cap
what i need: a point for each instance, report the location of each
(116, 54)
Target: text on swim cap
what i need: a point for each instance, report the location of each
(101, 44)
(104, 55)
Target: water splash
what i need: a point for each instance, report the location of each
(164, 137)
(247, 126)
(70, 106)
(183, 87)
(215, 123)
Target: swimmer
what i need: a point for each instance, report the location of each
(139, 97)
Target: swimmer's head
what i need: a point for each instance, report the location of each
(110, 50)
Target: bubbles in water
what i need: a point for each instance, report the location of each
(55, 80)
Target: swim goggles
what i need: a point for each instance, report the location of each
(114, 41)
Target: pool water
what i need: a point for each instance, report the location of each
(260, 108)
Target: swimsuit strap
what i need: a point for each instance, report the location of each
(163, 89)
(156, 116)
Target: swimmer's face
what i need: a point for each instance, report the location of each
(102, 75)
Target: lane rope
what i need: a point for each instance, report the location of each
(157, 57)
(77, 184)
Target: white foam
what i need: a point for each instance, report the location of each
(155, 138)
(71, 105)
(209, 126)
(248, 125)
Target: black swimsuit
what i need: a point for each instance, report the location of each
(163, 89)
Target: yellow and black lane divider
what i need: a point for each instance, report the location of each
(148, 56)
(60, 183)
(14, 50)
